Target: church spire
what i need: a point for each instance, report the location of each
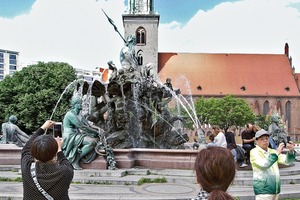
(142, 22)
(140, 6)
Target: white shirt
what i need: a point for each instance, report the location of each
(220, 140)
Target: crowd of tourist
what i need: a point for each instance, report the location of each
(223, 152)
(47, 172)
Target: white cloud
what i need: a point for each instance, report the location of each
(72, 31)
(77, 31)
(249, 26)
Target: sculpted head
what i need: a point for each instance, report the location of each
(76, 103)
(131, 39)
(13, 119)
(275, 119)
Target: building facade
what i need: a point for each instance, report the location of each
(142, 22)
(9, 62)
(268, 82)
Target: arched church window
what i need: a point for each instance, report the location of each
(140, 36)
(278, 107)
(288, 110)
(256, 107)
(140, 57)
(266, 108)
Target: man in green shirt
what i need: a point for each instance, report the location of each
(264, 161)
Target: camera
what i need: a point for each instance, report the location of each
(57, 129)
(288, 139)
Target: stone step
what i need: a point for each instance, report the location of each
(132, 176)
(133, 180)
(285, 180)
(293, 170)
(247, 193)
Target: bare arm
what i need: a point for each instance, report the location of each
(249, 140)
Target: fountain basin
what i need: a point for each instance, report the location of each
(125, 158)
(148, 158)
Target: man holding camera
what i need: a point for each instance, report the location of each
(264, 161)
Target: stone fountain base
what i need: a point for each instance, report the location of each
(125, 158)
(148, 158)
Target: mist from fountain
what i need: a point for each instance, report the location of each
(191, 106)
(188, 106)
(157, 115)
(62, 94)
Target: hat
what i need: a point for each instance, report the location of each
(260, 133)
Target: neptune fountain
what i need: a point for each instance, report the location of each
(130, 111)
(135, 105)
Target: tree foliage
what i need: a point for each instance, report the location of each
(225, 112)
(32, 93)
(263, 121)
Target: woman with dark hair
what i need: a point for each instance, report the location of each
(215, 170)
(211, 138)
(46, 172)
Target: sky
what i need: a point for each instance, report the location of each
(77, 32)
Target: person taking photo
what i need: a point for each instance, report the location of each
(46, 172)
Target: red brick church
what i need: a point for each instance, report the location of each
(266, 81)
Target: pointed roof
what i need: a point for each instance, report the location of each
(236, 74)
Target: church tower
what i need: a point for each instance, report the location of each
(141, 22)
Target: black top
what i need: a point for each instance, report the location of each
(55, 178)
(248, 136)
(230, 140)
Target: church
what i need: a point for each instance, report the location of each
(268, 82)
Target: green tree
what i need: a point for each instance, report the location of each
(225, 112)
(32, 93)
(263, 121)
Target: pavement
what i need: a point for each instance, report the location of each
(122, 184)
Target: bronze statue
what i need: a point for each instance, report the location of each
(127, 55)
(80, 137)
(12, 133)
(277, 135)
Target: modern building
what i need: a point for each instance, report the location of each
(268, 82)
(9, 62)
(101, 74)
